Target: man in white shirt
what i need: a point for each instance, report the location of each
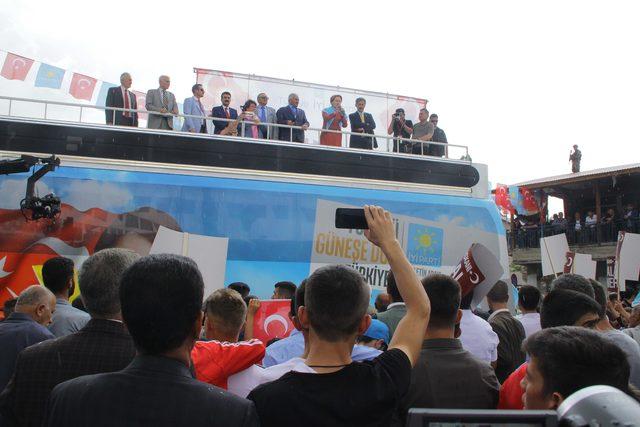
(591, 220)
(477, 336)
(528, 301)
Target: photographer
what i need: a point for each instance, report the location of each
(402, 128)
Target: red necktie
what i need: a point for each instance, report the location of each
(226, 111)
(126, 103)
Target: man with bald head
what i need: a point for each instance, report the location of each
(163, 102)
(103, 345)
(26, 326)
(122, 97)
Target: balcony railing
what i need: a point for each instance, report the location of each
(527, 237)
(95, 114)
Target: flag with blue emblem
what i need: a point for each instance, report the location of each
(49, 76)
(102, 95)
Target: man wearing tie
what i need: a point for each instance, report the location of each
(267, 114)
(223, 111)
(293, 116)
(122, 97)
(193, 107)
(162, 101)
(362, 122)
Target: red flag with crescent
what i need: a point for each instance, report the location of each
(16, 67)
(82, 86)
(502, 198)
(568, 264)
(272, 320)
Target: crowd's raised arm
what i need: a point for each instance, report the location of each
(260, 120)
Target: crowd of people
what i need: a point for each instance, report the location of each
(260, 120)
(581, 229)
(151, 349)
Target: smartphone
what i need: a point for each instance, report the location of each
(351, 218)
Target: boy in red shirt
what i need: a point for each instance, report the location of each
(216, 360)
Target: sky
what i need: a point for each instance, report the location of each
(518, 82)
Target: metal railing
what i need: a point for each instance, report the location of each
(82, 117)
(527, 237)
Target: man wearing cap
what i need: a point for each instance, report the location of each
(446, 375)
(402, 128)
(376, 336)
(574, 157)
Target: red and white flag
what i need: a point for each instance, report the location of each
(141, 100)
(16, 67)
(272, 320)
(82, 86)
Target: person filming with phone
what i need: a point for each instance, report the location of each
(402, 128)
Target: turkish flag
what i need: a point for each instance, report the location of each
(467, 273)
(272, 320)
(82, 86)
(502, 198)
(141, 99)
(16, 67)
(568, 264)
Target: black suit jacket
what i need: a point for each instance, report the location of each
(151, 391)
(101, 346)
(369, 125)
(283, 115)
(114, 99)
(219, 112)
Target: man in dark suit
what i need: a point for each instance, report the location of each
(293, 116)
(161, 300)
(26, 326)
(122, 97)
(103, 345)
(223, 111)
(362, 122)
(509, 330)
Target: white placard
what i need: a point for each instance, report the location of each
(209, 253)
(627, 265)
(553, 252)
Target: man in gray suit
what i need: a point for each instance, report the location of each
(396, 310)
(162, 101)
(267, 114)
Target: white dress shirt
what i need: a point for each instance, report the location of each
(478, 338)
(530, 322)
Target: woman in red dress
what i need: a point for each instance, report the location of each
(333, 118)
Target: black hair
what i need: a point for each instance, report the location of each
(600, 295)
(79, 304)
(225, 93)
(9, 306)
(298, 299)
(392, 288)
(573, 282)
(286, 290)
(195, 87)
(336, 299)
(240, 287)
(571, 358)
(161, 298)
(247, 104)
(499, 292)
(444, 293)
(56, 273)
(249, 298)
(564, 307)
(529, 297)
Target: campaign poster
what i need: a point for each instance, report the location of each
(273, 230)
